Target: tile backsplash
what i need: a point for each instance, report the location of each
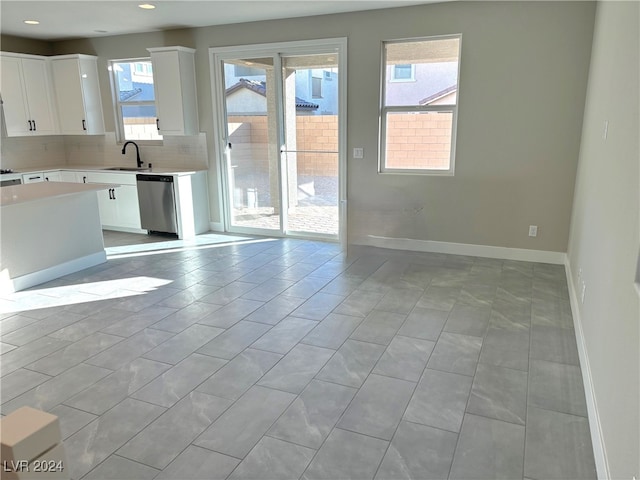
(101, 150)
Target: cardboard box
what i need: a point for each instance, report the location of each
(26, 434)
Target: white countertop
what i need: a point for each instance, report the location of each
(29, 192)
(105, 168)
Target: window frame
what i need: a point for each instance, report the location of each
(385, 110)
(117, 104)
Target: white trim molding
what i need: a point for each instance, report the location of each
(599, 449)
(11, 285)
(505, 253)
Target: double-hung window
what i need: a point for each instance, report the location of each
(134, 99)
(419, 105)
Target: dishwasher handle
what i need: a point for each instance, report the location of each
(154, 178)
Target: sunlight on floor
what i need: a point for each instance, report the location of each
(76, 293)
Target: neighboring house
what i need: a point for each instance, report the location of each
(319, 86)
(422, 84)
(135, 82)
(249, 97)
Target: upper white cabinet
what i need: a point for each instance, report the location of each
(174, 80)
(75, 79)
(27, 97)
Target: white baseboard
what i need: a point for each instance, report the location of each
(216, 226)
(10, 285)
(504, 253)
(599, 450)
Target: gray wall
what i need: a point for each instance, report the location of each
(605, 232)
(522, 88)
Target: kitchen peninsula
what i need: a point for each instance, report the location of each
(48, 230)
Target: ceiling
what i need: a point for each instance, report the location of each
(94, 18)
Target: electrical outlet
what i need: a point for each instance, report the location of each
(533, 230)
(358, 152)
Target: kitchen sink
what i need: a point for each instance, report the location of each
(128, 169)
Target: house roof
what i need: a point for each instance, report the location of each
(437, 95)
(261, 89)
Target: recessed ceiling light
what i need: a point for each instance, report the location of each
(32, 22)
(147, 6)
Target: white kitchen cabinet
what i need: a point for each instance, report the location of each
(174, 81)
(33, 177)
(53, 176)
(73, 176)
(75, 80)
(119, 205)
(27, 97)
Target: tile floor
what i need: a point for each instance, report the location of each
(284, 359)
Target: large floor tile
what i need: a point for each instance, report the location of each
(100, 438)
(378, 407)
(119, 468)
(352, 363)
(183, 344)
(285, 335)
(418, 452)
(379, 327)
(558, 446)
(114, 388)
(297, 368)
(179, 380)
(238, 430)
(405, 358)
(488, 449)
(197, 463)
(280, 459)
(425, 323)
(313, 414)
(558, 387)
(439, 400)
(468, 320)
(346, 455)
(167, 436)
(456, 353)
(234, 340)
(499, 393)
(275, 310)
(332, 331)
(359, 303)
(240, 374)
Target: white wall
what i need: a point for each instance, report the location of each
(604, 240)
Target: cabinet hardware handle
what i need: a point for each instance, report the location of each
(110, 197)
(84, 179)
(34, 126)
(114, 193)
(158, 124)
(46, 178)
(30, 126)
(34, 178)
(84, 124)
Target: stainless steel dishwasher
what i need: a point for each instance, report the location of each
(157, 202)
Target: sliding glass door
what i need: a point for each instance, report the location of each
(280, 128)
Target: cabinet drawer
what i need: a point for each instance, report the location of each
(119, 178)
(33, 177)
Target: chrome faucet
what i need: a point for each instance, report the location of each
(124, 147)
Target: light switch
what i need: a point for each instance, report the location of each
(358, 152)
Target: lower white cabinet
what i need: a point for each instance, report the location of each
(33, 177)
(119, 205)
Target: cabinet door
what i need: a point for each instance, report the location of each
(73, 177)
(38, 88)
(14, 97)
(53, 176)
(107, 207)
(78, 95)
(69, 97)
(126, 202)
(175, 90)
